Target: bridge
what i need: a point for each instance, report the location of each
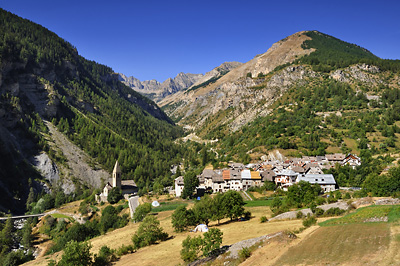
(23, 216)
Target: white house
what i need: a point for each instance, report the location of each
(326, 181)
(178, 186)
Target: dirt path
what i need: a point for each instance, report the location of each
(77, 160)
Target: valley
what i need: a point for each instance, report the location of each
(298, 146)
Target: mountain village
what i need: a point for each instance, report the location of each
(283, 173)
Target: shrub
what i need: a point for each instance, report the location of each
(299, 215)
(244, 253)
(320, 201)
(191, 248)
(148, 233)
(105, 257)
(76, 253)
(347, 195)
(334, 212)
(309, 221)
(212, 241)
(123, 250)
(247, 215)
(141, 211)
(263, 219)
(114, 195)
(319, 212)
(209, 244)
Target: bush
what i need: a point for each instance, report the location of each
(247, 215)
(319, 212)
(209, 244)
(212, 241)
(244, 253)
(299, 215)
(141, 211)
(263, 219)
(76, 253)
(148, 233)
(347, 195)
(123, 250)
(309, 221)
(334, 212)
(320, 201)
(105, 257)
(191, 248)
(114, 195)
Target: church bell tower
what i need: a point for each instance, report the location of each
(116, 176)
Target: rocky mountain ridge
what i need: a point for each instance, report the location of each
(235, 96)
(250, 90)
(158, 91)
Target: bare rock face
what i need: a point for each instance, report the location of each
(360, 73)
(245, 92)
(46, 167)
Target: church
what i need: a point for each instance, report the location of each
(128, 187)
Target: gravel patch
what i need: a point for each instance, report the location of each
(235, 248)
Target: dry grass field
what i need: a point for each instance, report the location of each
(352, 244)
(168, 252)
(348, 244)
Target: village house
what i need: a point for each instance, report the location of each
(256, 178)
(246, 179)
(326, 181)
(285, 178)
(352, 160)
(235, 179)
(179, 186)
(218, 182)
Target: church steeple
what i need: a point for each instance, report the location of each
(116, 176)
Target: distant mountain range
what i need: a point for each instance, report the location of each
(158, 91)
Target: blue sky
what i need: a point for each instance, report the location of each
(158, 39)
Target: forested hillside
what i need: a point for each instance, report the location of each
(43, 77)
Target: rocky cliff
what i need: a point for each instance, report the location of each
(245, 92)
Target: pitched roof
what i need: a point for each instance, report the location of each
(298, 169)
(208, 173)
(267, 175)
(335, 157)
(255, 175)
(322, 179)
(226, 174)
(246, 174)
(287, 172)
(217, 177)
(179, 180)
(235, 174)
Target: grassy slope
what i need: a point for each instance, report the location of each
(353, 243)
(169, 251)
